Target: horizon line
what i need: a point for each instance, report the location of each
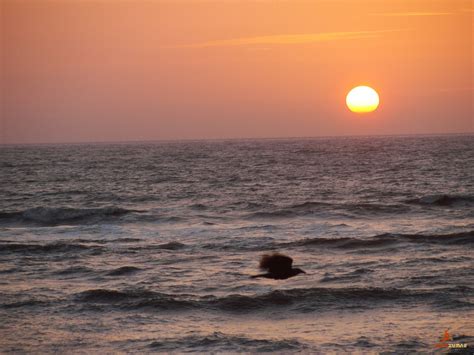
(177, 140)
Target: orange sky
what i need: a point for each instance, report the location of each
(106, 70)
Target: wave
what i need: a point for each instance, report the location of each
(134, 299)
(25, 300)
(284, 213)
(75, 270)
(57, 247)
(353, 275)
(444, 200)
(51, 216)
(220, 342)
(171, 246)
(440, 259)
(10, 270)
(27, 303)
(294, 210)
(461, 238)
(314, 207)
(377, 242)
(82, 270)
(106, 241)
(198, 207)
(299, 299)
(384, 240)
(124, 270)
(341, 243)
(359, 208)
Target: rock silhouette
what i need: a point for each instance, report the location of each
(279, 267)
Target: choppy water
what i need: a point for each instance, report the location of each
(149, 247)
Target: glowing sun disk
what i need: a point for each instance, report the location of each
(362, 99)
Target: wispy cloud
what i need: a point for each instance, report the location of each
(288, 39)
(411, 14)
(456, 89)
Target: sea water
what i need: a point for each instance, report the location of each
(149, 247)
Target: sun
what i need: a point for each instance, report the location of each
(362, 99)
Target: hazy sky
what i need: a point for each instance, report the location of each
(104, 70)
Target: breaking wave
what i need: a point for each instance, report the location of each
(299, 299)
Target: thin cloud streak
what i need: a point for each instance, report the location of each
(288, 39)
(411, 14)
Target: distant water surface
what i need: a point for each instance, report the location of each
(149, 247)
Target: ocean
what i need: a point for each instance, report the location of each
(149, 247)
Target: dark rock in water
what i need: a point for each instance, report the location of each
(279, 267)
